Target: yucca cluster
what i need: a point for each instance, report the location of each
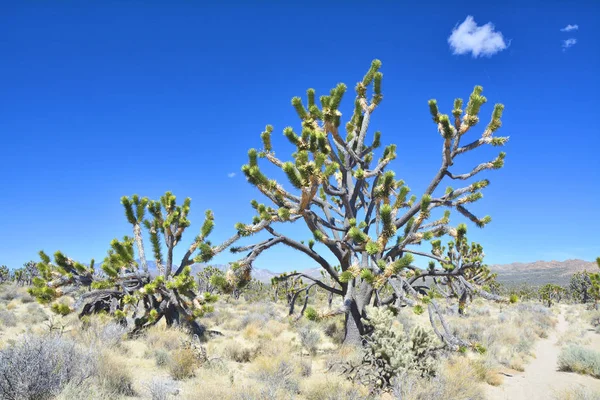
(124, 287)
(340, 185)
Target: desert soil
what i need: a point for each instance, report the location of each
(541, 379)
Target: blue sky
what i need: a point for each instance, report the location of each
(104, 99)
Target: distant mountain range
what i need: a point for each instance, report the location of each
(542, 272)
(534, 273)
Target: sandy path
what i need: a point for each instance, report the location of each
(541, 379)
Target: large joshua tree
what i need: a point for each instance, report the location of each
(125, 287)
(354, 205)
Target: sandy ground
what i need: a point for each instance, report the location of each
(541, 378)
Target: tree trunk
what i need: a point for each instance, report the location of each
(354, 328)
(175, 318)
(462, 303)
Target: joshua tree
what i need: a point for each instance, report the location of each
(286, 286)
(460, 252)
(210, 279)
(580, 287)
(126, 289)
(20, 276)
(595, 285)
(30, 268)
(354, 206)
(4, 274)
(550, 293)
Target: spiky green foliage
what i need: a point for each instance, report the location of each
(340, 185)
(392, 353)
(4, 274)
(580, 287)
(551, 293)
(124, 288)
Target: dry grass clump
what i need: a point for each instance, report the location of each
(8, 318)
(486, 370)
(454, 381)
(580, 360)
(162, 389)
(102, 331)
(182, 364)
(10, 292)
(577, 393)
(310, 338)
(277, 374)
(39, 367)
(34, 314)
(85, 391)
(162, 337)
(331, 387)
(214, 381)
(239, 352)
(114, 377)
(334, 329)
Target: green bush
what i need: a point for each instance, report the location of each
(580, 360)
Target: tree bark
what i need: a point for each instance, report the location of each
(355, 304)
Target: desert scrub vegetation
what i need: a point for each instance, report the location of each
(354, 207)
(124, 288)
(577, 393)
(581, 360)
(39, 367)
(506, 337)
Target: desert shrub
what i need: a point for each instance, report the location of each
(8, 318)
(392, 353)
(276, 374)
(455, 380)
(594, 318)
(309, 339)
(335, 331)
(580, 360)
(161, 337)
(305, 368)
(85, 391)
(105, 334)
(182, 364)
(330, 387)
(238, 352)
(577, 393)
(161, 356)
(211, 383)
(39, 367)
(35, 314)
(162, 389)
(26, 298)
(114, 377)
(12, 305)
(9, 292)
(485, 370)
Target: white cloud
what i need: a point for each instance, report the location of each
(231, 174)
(570, 28)
(568, 43)
(477, 40)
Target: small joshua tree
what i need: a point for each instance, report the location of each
(354, 206)
(4, 274)
(550, 293)
(595, 285)
(461, 255)
(125, 288)
(580, 287)
(209, 279)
